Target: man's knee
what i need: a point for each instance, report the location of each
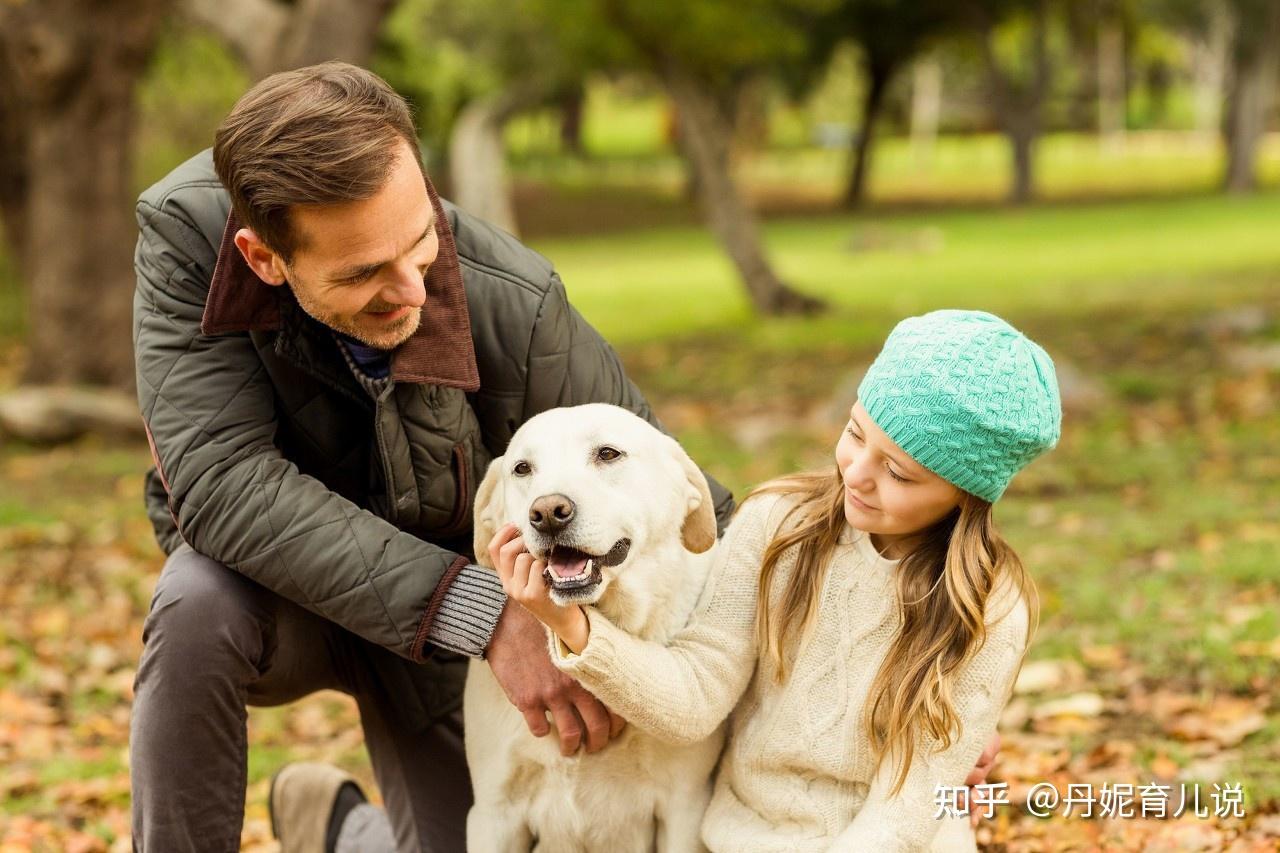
(204, 614)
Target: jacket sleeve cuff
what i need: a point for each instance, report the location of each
(463, 612)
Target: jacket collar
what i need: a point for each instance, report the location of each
(440, 352)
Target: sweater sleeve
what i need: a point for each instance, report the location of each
(681, 692)
(905, 821)
(464, 611)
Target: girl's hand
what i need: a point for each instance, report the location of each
(523, 582)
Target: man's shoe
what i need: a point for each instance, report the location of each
(308, 803)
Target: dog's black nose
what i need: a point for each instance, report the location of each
(550, 514)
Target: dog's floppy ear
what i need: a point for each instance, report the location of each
(699, 531)
(489, 511)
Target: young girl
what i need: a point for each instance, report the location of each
(862, 627)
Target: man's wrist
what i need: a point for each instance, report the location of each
(466, 612)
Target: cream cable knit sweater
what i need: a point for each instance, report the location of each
(797, 772)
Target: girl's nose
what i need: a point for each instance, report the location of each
(860, 473)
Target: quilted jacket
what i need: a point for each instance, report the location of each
(272, 459)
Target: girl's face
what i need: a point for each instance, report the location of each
(886, 492)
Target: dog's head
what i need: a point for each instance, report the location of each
(589, 486)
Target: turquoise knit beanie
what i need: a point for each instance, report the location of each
(966, 395)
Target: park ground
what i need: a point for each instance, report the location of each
(1153, 530)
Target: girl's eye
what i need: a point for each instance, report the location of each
(608, 454)
(852, 434)
(522, 469)
(894, 475)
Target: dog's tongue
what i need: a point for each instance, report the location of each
(566, 565)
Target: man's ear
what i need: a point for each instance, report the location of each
(699, 530)
(265, 263)
(489, 512)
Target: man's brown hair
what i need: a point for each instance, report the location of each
(323, 134)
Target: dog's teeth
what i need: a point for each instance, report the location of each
(586, 573)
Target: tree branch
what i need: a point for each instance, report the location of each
(321, 30)
(271, 36)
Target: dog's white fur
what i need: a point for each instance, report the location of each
(638, 793)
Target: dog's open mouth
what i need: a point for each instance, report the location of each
(574, 574)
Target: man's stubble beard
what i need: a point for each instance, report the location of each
(388, 338)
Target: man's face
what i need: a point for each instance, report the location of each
(360, 266)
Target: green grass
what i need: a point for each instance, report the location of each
(969, 168)
(1068, 165)
(47, 487)
(1066, 261)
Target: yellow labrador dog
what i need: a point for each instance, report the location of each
(625, 522)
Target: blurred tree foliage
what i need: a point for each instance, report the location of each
(191, 84)
(471, 67)
(889, 34)
(705, 55)
(1018, 44)
(1250, 30)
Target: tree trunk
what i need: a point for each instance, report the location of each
(78, 67)
(477, 163)
(878, 76)
(1253, 90)
(1111, 88)
(1018, 106)
(270, 35)
(572, 108)
(80, 237)
(750, 116)
(1022, 143)
(1210, 73)
(14, 169)
(926, 106)
(50, 415)
(689, 189)
(705, 141)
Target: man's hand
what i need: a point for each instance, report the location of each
(519, 658)
(979, 773)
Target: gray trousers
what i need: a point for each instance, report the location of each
(214, 642)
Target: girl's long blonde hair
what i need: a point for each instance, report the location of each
(943, 585)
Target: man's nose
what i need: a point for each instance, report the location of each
(407, 287)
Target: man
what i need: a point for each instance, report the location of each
(328, 357)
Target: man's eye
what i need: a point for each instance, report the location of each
(608, 454)
(522, 469)
(357, 279)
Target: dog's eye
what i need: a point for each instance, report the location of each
(522, 469)
(608, 454)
